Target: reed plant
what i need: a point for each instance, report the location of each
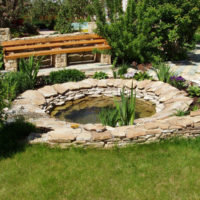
(126, 107)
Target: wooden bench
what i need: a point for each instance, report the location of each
(57, 47)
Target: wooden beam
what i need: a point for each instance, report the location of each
(60, 44)
(54, 52)
(50, 39)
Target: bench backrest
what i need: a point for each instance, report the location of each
(53, 45)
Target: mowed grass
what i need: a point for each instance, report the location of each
(164, 171)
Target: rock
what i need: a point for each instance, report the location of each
(142, 84)
(195, 113)
(101, 136)
(62, 135)
(130, 83)
(84, 136)
(48, 91)
(151, 126)
(60, 88)
(74, 126)
(94, 127)
(102, 83)
(119, 132)
(153, 132)
(87, 83)
(71, 86)
(135, 132)
(33, 97)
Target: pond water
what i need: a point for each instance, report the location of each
(87, 110)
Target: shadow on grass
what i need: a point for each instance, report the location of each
(12, 137)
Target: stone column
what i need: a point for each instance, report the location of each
(91, 27)
(60, 60)
(4, 34)
(10, 65)
(105, 59)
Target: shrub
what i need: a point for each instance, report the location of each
(150, 30)
(140, 76)
(100, 75)
(64, 20)
(178, 82)
(194, 91)
(109, 116)
(122, 69)
(163, 72)
(63, 76)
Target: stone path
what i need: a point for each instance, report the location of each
(189, 69)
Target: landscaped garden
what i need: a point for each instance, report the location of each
(130, 133)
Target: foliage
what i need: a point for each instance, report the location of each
(30, 68)
(109, 116)
(163, 72)
(65, 76)
(126, 108)
(195, 108)
(64, 20)
(11, 10)
(1, 58)
(181, 113)
(194, 91)
(12, 133)
(122, 69)
(100, 75)
(152, 29)
(178, 82)
(140, 76)
(43, 10)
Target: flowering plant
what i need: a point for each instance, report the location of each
(178, 82)
(129, 75)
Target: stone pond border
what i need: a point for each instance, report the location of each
(35, 105)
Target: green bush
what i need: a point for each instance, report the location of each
(194, 91)
(63, 76)
(150, 30)
(64, 20)
(109, 116)
(100, 75)
(122, 69)
(140, 76)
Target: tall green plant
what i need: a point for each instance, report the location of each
(30, 68)
(1, 58)
(126, 108)
(109, 117)
(163, 72)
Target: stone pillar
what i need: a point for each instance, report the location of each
(10, 65)
(4, 34)
(105, 59)
(60, 60)
(91, 27)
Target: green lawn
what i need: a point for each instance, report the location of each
(169, 170)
